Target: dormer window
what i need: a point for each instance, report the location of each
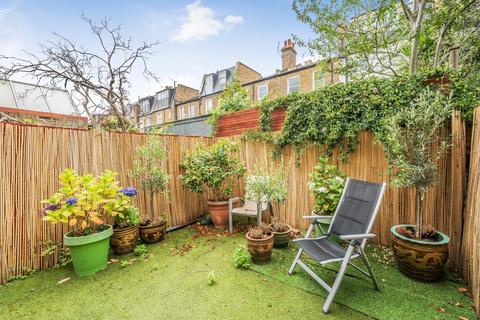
(145, 105)
(208, 86)
(163, 99)
(222, 77)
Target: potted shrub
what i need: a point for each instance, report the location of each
(153, 229)
(260, 243)
(85, 203)
(413, 147)
(213, 169)
(281, 233)
(149, 171)
(326, 184)
(125, 226)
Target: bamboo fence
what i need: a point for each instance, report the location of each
(471, 231)
(31, 159)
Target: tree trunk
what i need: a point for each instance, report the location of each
(420, 199)
(151, 203)
(414, 55)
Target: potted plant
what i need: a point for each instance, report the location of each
(326, 183)
(281, 233)
(125, 226)
(213, 169)
(413, 147)
(85, 203)
(260, 243)
(153, 229)
(149, 171)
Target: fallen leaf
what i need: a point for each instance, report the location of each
(458, 304)
(463, 290)
(113, 260)
(462, 318)
(63, 280)
(440, 309)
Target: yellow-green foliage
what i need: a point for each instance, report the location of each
(85, 202)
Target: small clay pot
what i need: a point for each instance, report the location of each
(260, 249)
(281, 239)
(219, 213)
(420, 259)
(153, 233)
(123, 239)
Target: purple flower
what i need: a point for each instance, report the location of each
(71, 201)
(50, 207)
(129, 191)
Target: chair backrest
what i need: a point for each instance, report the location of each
(357, 207)
(252, 205)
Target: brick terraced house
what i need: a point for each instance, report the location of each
(187, 116)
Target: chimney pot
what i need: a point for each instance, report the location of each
(289, 55)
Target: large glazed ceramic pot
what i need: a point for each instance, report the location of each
(153, 233)
(260, 249)
(421, 260)
(123, 240)
(281, 239)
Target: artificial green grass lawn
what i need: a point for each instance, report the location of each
(172, 284)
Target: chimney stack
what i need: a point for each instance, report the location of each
(289, 55)
(136, 113)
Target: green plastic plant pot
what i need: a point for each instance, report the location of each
(89, 253)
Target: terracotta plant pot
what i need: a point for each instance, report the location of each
(260, 249)
(123, 240)
(281, 239)
(420, 259)
(153, 233)
(219, 213)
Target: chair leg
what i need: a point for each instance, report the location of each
(230, 223)
(338, 280)
(299, 253)
(369, 268)
(295, 261)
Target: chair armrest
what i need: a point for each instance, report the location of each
(348, 237)
(236, 199)
(316, 217)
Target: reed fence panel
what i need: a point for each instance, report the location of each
(31, 159)
(471, 230)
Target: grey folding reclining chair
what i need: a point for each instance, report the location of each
(352, 222)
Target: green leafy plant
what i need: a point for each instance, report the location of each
(241, 257)
(148, 166)
(263, 186)
(326, 183)
(141, 250)
(86, 202)
(212, 168)
(211, 280)
(333, 116)
(233, 98)
(413, 146)
(50, 248)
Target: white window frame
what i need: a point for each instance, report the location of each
(288, 84)
(148, 121)
(208, 106)
(180, 113)
(160, 118)
(220, 77)
(258, 91)
(186, 112)
(313, 80)
(191, 110)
